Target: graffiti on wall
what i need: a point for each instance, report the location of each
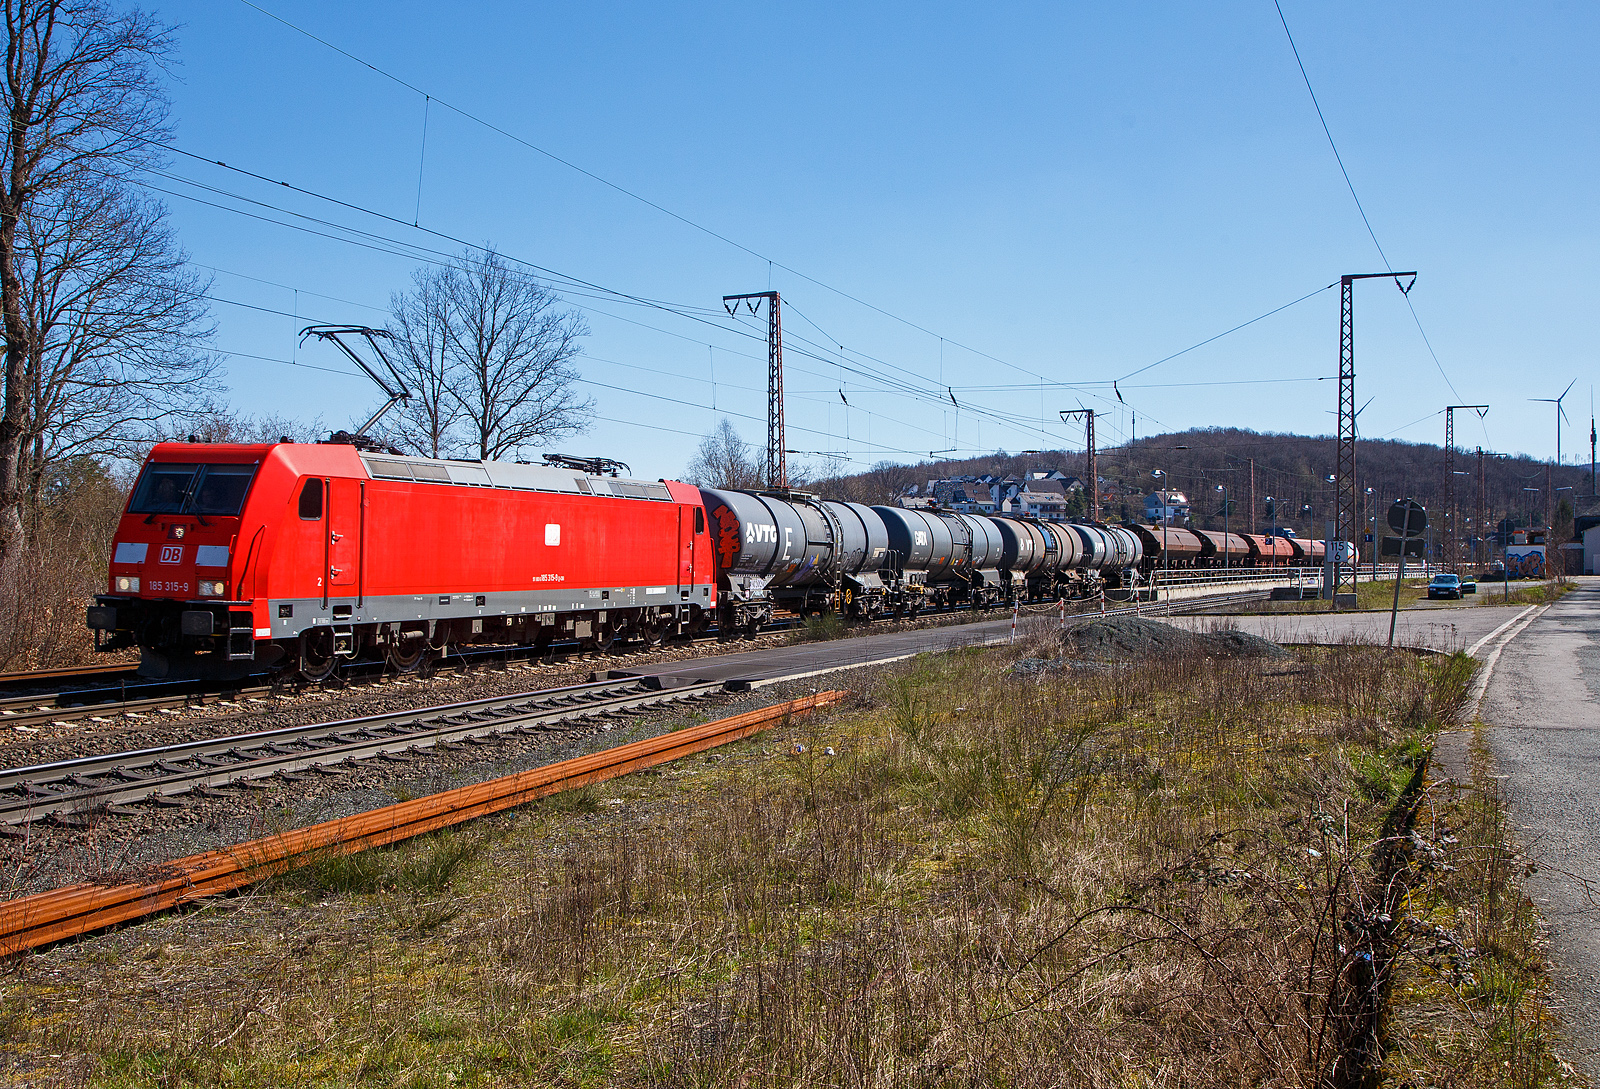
(1525, 561)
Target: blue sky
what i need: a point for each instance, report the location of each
(1043, 196)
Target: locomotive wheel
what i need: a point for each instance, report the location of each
(406, 661)
(317, 659)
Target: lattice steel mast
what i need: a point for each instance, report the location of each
(777, 460)
(1088, 415)
(1452, 531)
(1344, 472)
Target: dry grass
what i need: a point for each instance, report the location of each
(44, 592)
(1180, 873)
(1471, 976)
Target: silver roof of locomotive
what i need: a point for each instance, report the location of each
(506, 474)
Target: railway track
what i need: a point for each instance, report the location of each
(121, 694)
(165, 773)
(31, 921)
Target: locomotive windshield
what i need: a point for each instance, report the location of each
(181, 488)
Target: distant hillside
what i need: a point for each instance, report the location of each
(1290, 468)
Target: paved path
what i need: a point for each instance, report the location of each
(1542, 705)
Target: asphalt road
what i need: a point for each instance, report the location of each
(1449, 629)
(1542, 705)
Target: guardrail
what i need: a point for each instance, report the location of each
(1285, 576)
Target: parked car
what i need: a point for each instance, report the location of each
(1444, 586)
(1469, 585)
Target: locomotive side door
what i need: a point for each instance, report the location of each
(344, 528)
(685, 553)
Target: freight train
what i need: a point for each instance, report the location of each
(233, 558)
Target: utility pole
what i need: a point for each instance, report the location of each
(1452, 530)
(1549, 501)
(777, 460)
(1345, 464)
(1479, 514)
(1591, 445)
(1252, 462)
(1088, 415)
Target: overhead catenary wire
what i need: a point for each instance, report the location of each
(574, 285)
(1349, 184)
(569, 284)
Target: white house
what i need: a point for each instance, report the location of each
(1166, 507)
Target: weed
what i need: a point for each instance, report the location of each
(821, 628)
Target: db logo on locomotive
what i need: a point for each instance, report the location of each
(171, 553)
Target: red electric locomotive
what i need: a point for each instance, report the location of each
(235, 557)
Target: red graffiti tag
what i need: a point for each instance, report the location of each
(727, 534)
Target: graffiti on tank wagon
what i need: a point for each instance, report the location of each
(727, 534)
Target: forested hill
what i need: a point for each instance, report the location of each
(1290, 468)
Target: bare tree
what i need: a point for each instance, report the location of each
(101, 322)
(116, 322)
(420, 325)
(724, 460)
(213, 421)
(488, 354)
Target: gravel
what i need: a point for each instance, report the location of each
(106, 847)
(1126, 638)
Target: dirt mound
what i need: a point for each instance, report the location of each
(1133, 637)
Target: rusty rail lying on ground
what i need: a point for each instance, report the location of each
(77, 909)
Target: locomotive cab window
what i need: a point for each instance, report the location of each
(699, 520)
(311, 499)
(162, 489)
(174, 488)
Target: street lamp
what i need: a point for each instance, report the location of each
(1166, 520)
(1372, 531)
(1272, 505)
(1226, 544)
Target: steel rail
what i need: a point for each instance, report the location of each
(32, 921)
(73, 705)
(35, 676)
(89, 783)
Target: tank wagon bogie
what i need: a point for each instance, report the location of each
(304, 555)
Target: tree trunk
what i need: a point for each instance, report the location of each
(13, 421)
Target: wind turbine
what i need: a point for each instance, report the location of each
(1560, 413)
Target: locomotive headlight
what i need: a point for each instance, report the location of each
(212, 589)
(128, 584)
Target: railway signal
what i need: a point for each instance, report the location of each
(1409, 520)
